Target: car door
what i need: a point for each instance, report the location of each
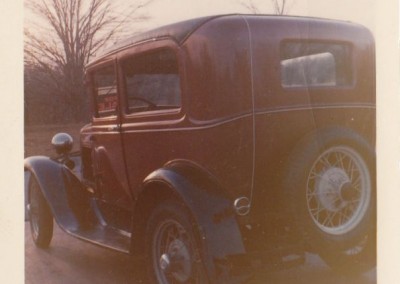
(153, 114)
(105, 139)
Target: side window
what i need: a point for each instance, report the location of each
(105, 91)
(152, 81)
(313, 64)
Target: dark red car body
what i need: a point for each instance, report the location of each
(229, 135)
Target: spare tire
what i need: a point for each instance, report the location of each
(330, 189)
(354, 260)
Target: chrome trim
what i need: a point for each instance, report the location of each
(242, 206)
(256, 112)
(253, 114)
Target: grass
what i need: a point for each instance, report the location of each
(37, 140)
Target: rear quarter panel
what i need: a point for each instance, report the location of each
(285, 115)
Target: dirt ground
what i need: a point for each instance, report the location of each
(38, 137)
(69, 260)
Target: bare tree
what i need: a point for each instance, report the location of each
(66, 36)
(249, 5)
(280, 7)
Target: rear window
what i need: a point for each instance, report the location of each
(313, 64)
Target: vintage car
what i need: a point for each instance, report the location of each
(222, 144)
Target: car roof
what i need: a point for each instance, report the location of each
(177, 31)
(181, 31)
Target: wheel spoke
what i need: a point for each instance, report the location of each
(328, 219)
(343, 213)
(334, 205)
(352, 169)
(314, 174)
(325, 162)
(339, 160)
(356, 183)
(311, 193)
(317, 211)
(342, 218)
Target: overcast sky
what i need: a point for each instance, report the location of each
(168, 11)
(163, 12)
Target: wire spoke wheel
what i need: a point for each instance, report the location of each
(338, 190)
(173, 252)
(175, 257)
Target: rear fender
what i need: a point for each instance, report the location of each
(62, 190)
(211, 209)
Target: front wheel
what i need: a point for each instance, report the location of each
(173, 253)
(40, 217)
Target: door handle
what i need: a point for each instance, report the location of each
(113, 128)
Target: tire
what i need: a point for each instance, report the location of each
(355, 260)
(330, 188)
(173, 254)
(40, 217)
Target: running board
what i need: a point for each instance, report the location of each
(104, 236)
(101, 234)
(98, 232)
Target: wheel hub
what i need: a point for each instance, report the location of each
(165, 262)
(176, 261)
(331, 187)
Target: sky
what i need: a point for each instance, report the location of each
(163, 12)
(169, 11)
(381, 17)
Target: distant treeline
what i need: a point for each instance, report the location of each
(47, 102)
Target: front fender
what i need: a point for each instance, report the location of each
(211, 208)
(61, 189)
